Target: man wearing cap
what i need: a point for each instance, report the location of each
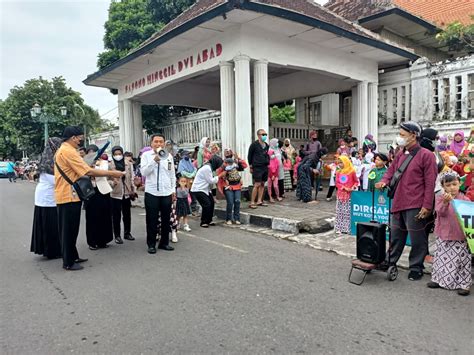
(68, 203)
(413, 199)
(313, 146)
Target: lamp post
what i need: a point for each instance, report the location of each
(84, 116)
(45, 118)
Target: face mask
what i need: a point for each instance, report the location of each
(229, 168)
(402, 142)
(81, 143)
(118, 157)
(315, 139)
(287, 145)
(264, 138)
(186, 158)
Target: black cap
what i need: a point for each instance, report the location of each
(382, 157)
(412, 127)
(430, 133)
(72, 131)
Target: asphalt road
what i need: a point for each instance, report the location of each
(221, 291)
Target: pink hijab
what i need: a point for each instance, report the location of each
(457, 147)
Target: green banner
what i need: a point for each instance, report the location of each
(465, 212)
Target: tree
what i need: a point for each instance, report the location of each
(283, 113)
(458, 37)
(130, 23)
(17, 124)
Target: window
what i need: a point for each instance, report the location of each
(458, 102)
(446, 98)
(470, 96)
(384, 106)
(346, 111)
(315, 113)
(403, 104)
(434, 85)
(394, 106)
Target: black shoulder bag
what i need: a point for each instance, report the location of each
(392, 186)
(83, 186)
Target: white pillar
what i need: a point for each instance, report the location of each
(373, 115)
(129, 138)
(121, 123)
(260, 94)
(362, 109)
(355, 113)
(137, 127)
(243, 110)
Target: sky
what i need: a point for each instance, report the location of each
(51, 38)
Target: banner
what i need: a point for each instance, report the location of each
(465, 212)
(361, 209)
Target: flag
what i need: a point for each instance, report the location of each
(465, 213)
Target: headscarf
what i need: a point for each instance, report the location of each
(185, 165)
(119, 164)
(443, 144)
(92, 147)
(457, 147)
(215, 162)
(202, 145)
(46, 164)
(348, 167)
(290, 150)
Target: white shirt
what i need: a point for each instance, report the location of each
(149, 169)
(44, 193)
(204, 180)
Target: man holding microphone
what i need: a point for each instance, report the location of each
(160, 192)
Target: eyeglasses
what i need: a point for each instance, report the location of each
(264, 134)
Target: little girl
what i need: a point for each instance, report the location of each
(452, 260)
(183, 209)
(346, 182)
(273, 172)
(298, 160)
(332, 180)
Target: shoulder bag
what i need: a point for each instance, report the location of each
(83, 186)
(392, 186)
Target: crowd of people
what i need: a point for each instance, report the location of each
(176, 181)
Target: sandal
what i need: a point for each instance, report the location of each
(93, 247)
(254, 207)
(204, 225)
(263, 204)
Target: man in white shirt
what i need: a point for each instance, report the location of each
(160, 192)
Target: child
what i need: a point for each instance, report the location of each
(452, 260)
(298, 160)
(378, 171)
(233, 188)
(343, 149)
(288, 167)
(183, 209)
(332, 180)
(367, 165)
(346, 182)
(356, 159)
(273, 172)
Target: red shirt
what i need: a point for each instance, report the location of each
(417, 184)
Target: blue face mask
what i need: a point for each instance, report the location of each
(186, 158)
(264, 138)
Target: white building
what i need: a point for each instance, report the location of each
(239, 56)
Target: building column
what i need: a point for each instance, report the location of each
(137, 127)
(373, 114)
(355, 113)
(362, 111)
(121, 123)
(260, 94)
(129, 138)
(228, 125)
(243, 110)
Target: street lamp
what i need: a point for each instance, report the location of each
(84, 117)
(45, 118)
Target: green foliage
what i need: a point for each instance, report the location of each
(166, 10)
(22, 130)
(458, 37)
(285, 114)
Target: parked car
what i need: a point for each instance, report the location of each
(3, 169)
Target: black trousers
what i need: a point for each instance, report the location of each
(155, 207)
(207, 203)
(69, 220)
(330, 191)
(121, 209)
(402, 223)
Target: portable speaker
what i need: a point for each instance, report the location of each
(371, 242)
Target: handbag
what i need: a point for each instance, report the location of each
(83, 186)
(392, 186)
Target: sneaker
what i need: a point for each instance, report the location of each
(432, 284)
(118, 240)
(238, 223)
(229, 223)
(464, 292)
(329, 199)
(415, 275)
(73, 267)
(186, 228)
(174, 237)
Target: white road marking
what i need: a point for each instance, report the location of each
(216, 243)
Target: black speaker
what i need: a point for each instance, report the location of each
(371, 242)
